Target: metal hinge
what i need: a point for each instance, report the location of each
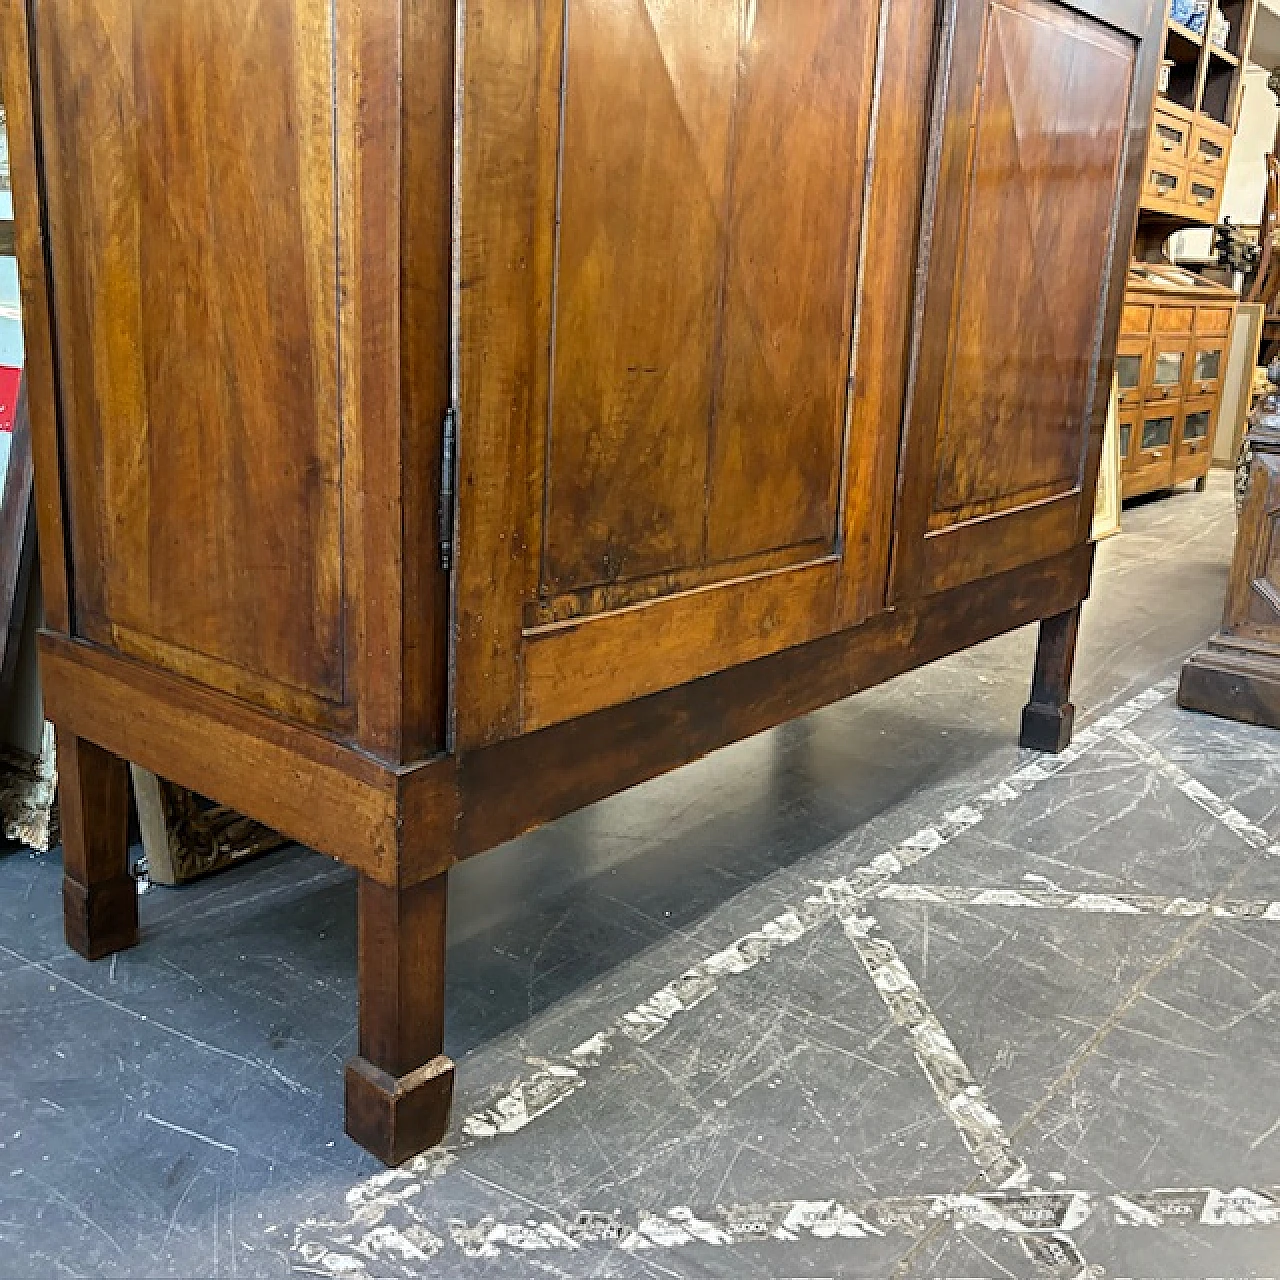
(448, 453)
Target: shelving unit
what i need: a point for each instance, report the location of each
(1177, 325)
(1196, 116)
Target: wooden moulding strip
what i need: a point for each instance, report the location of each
(305, 785)
(402, 826)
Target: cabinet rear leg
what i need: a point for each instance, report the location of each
(99, 897)
(399, 1087)
(1047, 719)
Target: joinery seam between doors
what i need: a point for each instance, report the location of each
(562, 107)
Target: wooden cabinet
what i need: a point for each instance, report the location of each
(1175, 327)
(1237, 674)
(493, 418)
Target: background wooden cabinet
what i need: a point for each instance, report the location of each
(1175, 327)
(441, 427)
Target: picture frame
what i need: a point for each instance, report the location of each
(186, 836)
(1106, 510)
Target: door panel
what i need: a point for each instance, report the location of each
(703, 286)
(660, 221)
(1029, 163)
(194, 289)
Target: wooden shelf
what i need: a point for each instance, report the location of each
(1223, 55)
(1178, 32)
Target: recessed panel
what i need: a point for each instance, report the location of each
(1045, 151)
(189, 158)
(709, 185)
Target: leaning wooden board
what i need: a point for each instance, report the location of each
(527, 398)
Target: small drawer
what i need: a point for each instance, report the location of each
(1213, 320)
(1136, 317)
(1165, 184)
(1169, 137)
(1131, 371)
(1204, 378)
(1204, 194)
(1175, 319)
(1210, 147)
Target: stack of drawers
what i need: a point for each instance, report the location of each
(1186, 163)
(1170, 360)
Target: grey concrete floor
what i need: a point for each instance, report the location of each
(874, 994)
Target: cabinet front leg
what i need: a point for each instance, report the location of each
(1048, 718)
(99, 897)
(399, 1088)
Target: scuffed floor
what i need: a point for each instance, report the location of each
(874, 995)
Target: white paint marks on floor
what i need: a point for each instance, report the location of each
(1042, 1216)
(1064, 900)
(371, 1202)
(962, 1097)
(1254, 836)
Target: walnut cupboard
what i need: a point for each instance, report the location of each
(526, 398)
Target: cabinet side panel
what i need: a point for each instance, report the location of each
(189, 163)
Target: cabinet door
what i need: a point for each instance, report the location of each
(1170, 369)
(1132, 374)
(1031, 137)
(1205, 373)
(661, 220)
(1191, 458)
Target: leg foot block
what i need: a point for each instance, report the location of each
(1046, 728)
(396, 1118)
(102, 918)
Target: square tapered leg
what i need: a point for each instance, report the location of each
(400, 1086)
(99, 897)
(1048, 719)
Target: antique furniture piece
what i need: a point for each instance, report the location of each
(495, 417)
(1196, 115)
(1175, 347)
(1237, 674)
(1174, 337)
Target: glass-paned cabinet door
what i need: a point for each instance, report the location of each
(1157, 432)
(1195, 426)
(1131, 359)
(1206, 369)
(1166, 372)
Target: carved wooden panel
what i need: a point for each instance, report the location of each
(1253, 596)
(189, 154)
